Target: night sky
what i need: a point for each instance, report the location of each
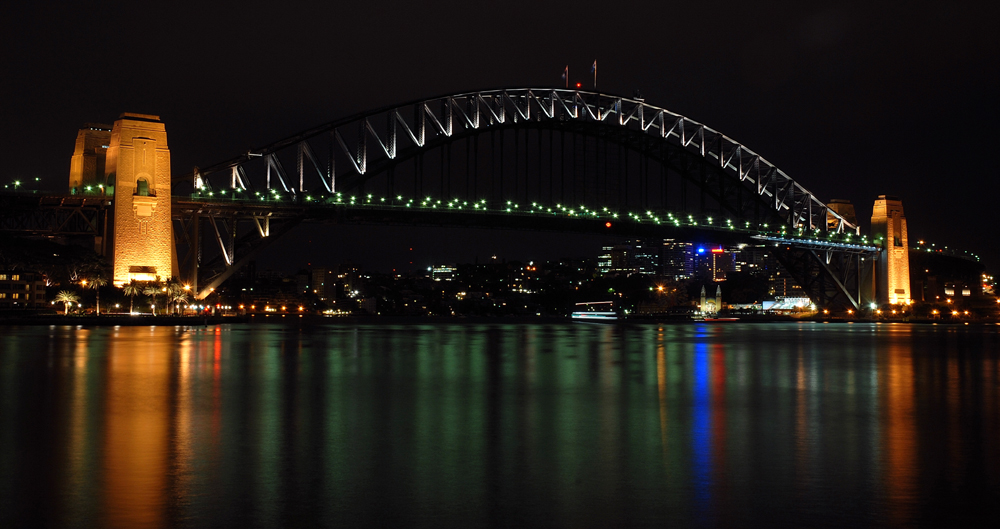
(850, 99)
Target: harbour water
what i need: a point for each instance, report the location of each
(500, 425)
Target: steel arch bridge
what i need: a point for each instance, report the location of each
(483, 158)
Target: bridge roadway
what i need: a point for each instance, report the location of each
(54, 215)
(258, 213)
(370, 209)
(242, 226)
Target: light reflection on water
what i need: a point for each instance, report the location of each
(499, 425)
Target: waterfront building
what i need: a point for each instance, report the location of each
(20, 290)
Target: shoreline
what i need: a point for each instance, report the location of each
(171, 320)
(120, 320)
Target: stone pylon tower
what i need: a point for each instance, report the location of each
(87, 167)
(892, 283)
(137, 172)
(842, 207)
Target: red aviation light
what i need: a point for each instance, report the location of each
(607, 224)
(717, 250)
(578, 85)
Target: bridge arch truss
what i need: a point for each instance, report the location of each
(363, 153)
(524, 145)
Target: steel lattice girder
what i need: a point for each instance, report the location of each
(237, 231)
(832, 279)
(371, 141)
(54, 215)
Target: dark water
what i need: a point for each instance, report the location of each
(500, 425)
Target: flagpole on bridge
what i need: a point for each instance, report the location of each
(594, 69)
(566, 76)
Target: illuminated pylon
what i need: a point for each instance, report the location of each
(889, 231)
(138, 176)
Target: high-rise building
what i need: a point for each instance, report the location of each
(634, 256)
(714, 263)
(647, 256)
(604, 259)
(677, 259)
(889, 232)
(756, 259)
(443, 272)
(782, 285)
(350, 277)
(319, 277)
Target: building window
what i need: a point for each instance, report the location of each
(16, 295)
(3, 295)
(15, 277)
(3, 277)
(142, 188)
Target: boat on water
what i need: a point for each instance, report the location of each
(595, 311)
(717, 319)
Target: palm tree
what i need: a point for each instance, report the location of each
(152, 290)
(67, 298)
(96, 283)
(131, 289)
(177, 293)
(178, 297)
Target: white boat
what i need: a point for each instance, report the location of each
(595, 311)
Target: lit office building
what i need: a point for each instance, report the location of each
(444, 272)
(677, 259)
